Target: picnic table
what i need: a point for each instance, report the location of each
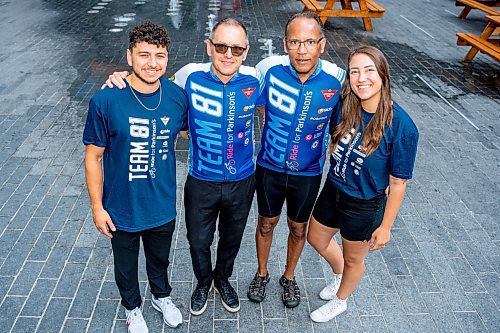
(366, 9)
(488, 42)
(484, 5)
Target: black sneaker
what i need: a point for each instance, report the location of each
(291, 292)
(199, 299)
(228, 295)
(257, 288)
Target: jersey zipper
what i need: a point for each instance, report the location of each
(224, 134)
(295, 115)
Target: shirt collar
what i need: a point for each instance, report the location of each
(316, 71)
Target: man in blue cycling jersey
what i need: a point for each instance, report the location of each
(301, 93)
(222, 97)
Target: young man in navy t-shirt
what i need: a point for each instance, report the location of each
(130, 171)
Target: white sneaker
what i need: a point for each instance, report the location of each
(329, 292)
(171, 314)
(329, 311)
(135, 321)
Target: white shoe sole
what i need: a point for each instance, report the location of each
(324, 320)
(197, 313)
(157, 308)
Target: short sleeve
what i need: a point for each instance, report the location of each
(262, 85)
(262, 96)
(180, 77)
(403, 154)
(95, 131)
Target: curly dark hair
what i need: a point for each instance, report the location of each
(150, 33)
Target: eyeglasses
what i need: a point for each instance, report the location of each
(236, 51)
(294, 44)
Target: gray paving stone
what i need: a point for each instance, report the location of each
(80, 255)
(349, 321)
(26, 278)
(32, 230)
(47, 206)
(393, 313)
(12, 205)
(365, 299)
(25, 325)
(409, 295)
(10, 308)
(55, 263)
(486, 309)
(57, 219)
(69, 233)
(43, 246)
(7, 241)
(373, 323)
(39, 297)
(379, 274)
(54, 315)
(422, 275)
(20, 220)
(15, 259)
(440, 312)
(406, 244)
(75, 325)
(470, 322)
(475, 257)
(104, 314)
(69, 280)
(5, 284)
(84, 299)
(250, 319)
(422, 323)
(468, 278)
(275, 325)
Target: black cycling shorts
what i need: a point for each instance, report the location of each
(273, 188)
(356, 218)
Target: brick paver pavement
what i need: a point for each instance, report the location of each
(440, 273)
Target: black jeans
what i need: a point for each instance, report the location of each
(204, 202)
(125, 246)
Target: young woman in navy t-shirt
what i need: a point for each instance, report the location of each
(374, 144)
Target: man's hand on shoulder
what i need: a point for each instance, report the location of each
(116, 79)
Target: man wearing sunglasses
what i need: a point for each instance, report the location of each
(222, 98)
(301, 93)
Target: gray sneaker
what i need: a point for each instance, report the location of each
(171, 314)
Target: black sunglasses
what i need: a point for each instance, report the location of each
(236, 51)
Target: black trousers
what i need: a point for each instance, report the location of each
(125, 246)
(204, 202)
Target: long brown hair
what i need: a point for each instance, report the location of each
(351, 105)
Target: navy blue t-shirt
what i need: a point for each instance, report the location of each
(365, 177)
(139, 190)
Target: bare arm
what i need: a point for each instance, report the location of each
(261, 109)
(116, 79)
(94, 178)
(397, 189)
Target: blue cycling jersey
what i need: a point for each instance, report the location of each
(220, 120)
(294, 138)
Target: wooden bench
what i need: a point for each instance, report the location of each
(485, 6)
(312, 6)
(367, 9)
(483, 43)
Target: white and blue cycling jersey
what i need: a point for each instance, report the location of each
(221, 121)
(294, 137)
